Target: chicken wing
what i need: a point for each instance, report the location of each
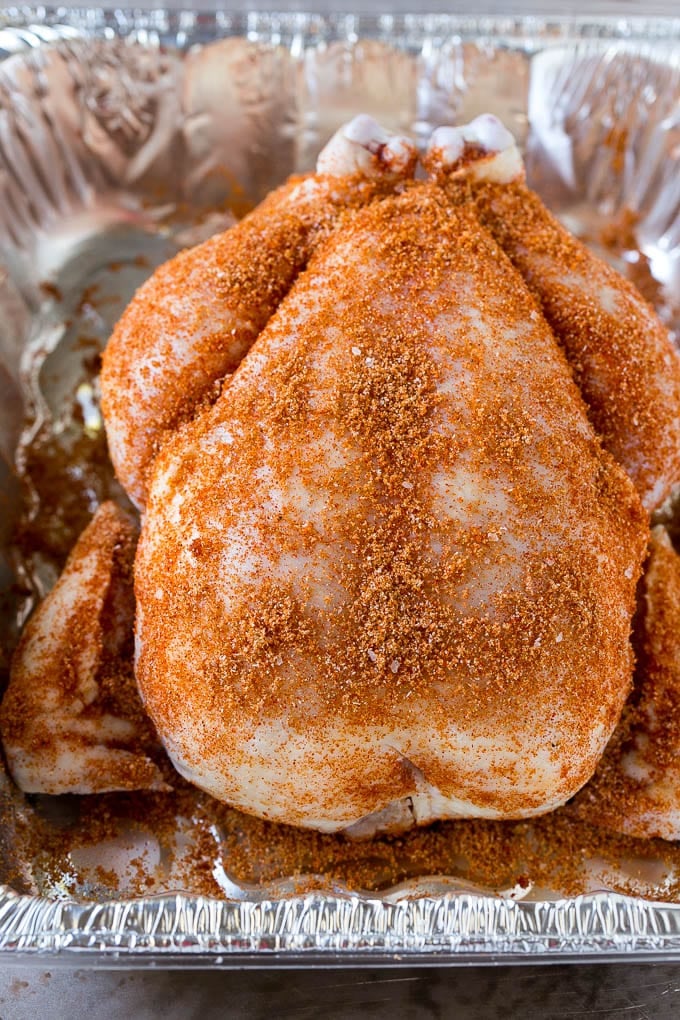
(636, 789)
(71, 719)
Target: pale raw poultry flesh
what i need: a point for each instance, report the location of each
(72, 721)
(395, 443)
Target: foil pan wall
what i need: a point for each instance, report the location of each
(128, 134)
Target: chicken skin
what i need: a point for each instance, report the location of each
(395, 475)
(193, 321)
(622, 358)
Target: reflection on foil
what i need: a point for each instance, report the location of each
(126, 136)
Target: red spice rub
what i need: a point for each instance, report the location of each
(190, 325)
(550, 851)
(623, 360)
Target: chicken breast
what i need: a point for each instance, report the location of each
(195, 318)
(623, 360)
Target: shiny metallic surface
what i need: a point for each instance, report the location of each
(125, 135)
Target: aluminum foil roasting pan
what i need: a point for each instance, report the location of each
(127, 134)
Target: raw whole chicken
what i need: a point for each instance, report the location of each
(395, 443)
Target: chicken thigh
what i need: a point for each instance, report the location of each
(71, 719)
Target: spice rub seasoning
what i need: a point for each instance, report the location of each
(635, 788)
(190, 841)
(71, 718)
